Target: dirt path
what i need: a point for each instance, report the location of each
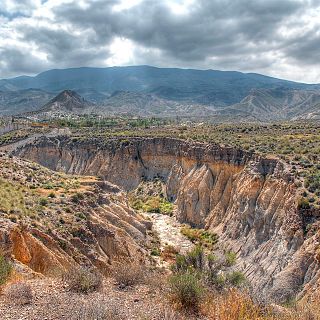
(168, 229)
(53, 133)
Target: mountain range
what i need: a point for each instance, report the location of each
(151, 91)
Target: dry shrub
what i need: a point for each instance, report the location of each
(129, 274)
(168, 314)
(83, 279)
(235, 305)
(19, 293)
(97, 310)
(169, 252)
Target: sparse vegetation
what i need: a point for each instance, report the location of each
(19, 293)
(97, 310)
(5, 269)
(149, 197)
(153, 204)
(83, 279)
(297, 143)
(128, 274)
(200, 236)
(186, 290)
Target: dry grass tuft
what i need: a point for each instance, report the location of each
(19, 293)
(97, 310)
(82, 279)
(130, 274)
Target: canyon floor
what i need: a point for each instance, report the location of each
(53, 301)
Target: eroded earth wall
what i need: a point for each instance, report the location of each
(249, 201)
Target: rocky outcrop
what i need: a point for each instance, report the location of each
(111, 232)
(249, 201)
(91, 226)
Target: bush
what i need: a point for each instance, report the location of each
(154, 204)
(19, 293)
(5, 269)
(77, 197)
(83, 279)
(169, 252)
(43, 201)
(96, 310)
(155, 252)
(234, 305)
(236, 278)
(303, 203)
(200, 236)
(186, 290)
(129, 274)
(231, 258)
(196, 258)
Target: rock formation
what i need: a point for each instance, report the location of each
(249, 201)
(93, 230)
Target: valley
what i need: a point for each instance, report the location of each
(175, 206)
(125, 193)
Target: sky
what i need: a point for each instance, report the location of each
(280, 38)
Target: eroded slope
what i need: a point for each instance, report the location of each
(250, 201)
(51, 221)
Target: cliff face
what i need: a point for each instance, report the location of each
(249, 201)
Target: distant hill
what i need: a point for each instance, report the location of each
(213, 87)
(151, 91)
(143, 104)
(67, 101)
(13, 102)
(277, 104)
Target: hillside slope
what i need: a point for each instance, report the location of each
(277, 104)
(201, 86)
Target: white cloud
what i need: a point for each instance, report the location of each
(13, 7)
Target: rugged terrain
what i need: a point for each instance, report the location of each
(161, 92)
(250, 201)
(52, 221)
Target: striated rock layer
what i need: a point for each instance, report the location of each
(94, 230)
(249, 201)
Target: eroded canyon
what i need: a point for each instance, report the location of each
(251, 202)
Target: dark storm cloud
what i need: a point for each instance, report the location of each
(305, 48)
(15, 61)
(211, 27)
(64, 47)
(248, 35)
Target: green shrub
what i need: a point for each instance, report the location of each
(77, 197)
(196, 258)
(155, 252)
(5, 269)
(236, 278)
(303, 203)
(186, 290)
(231, 258)
(200, 236)
(180, 264)
(153, 204)
(43, 201)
